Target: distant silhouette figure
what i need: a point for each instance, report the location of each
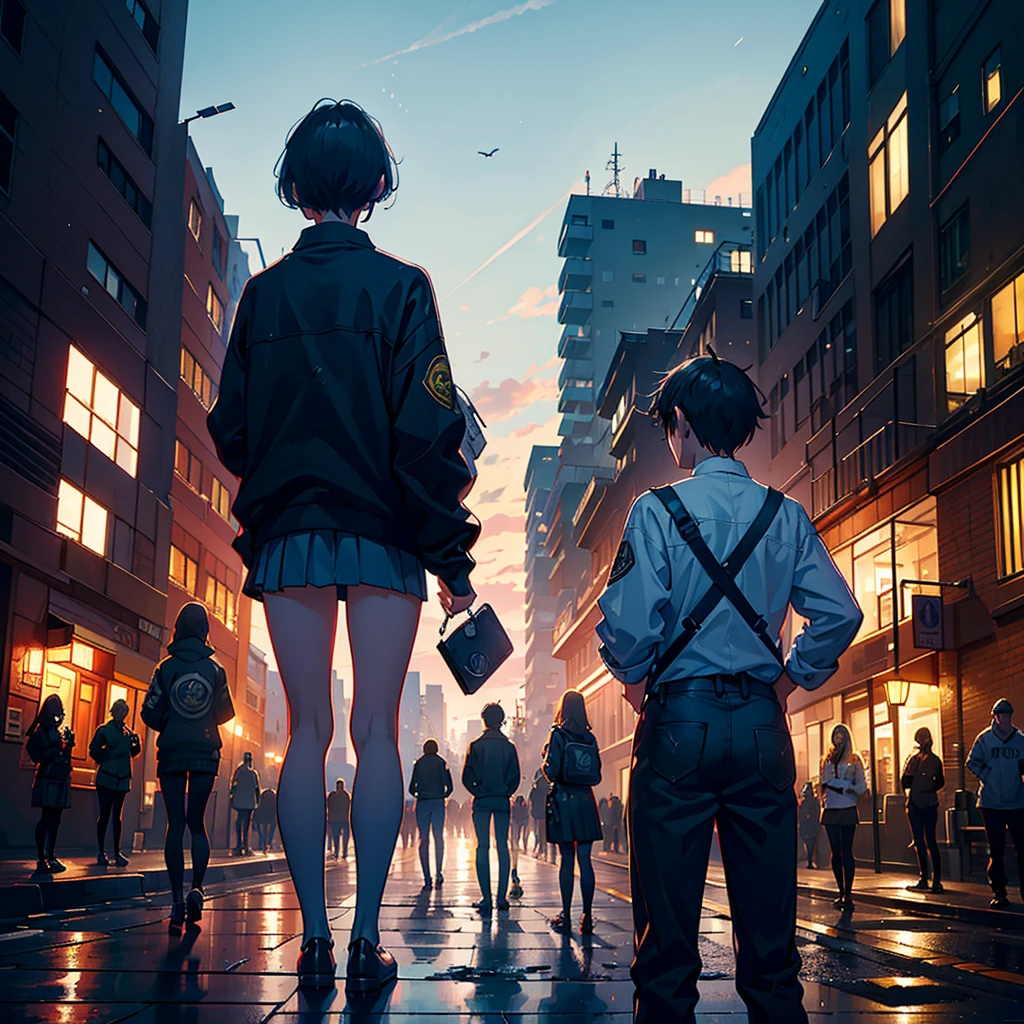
(492, 152)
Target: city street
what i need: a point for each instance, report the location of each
(117, 962)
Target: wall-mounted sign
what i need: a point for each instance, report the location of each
(13, 724)
(929, 621)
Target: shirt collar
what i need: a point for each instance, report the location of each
(716, 464)
(333, 233)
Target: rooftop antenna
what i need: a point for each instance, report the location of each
(613, 187)
(588, 182)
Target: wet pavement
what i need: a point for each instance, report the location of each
(117, 962)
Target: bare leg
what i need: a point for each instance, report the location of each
(302, 622)
(381, 628)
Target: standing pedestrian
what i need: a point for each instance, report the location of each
(452, 817)
(264, 819)
(810, 821)
(245, 798)
(573, 767)
(112, 748)
(339, 809)
(843, 782)
(431, 784)
(50, 748)
(696, 642)
(491, 774)
(188, 698)
(538, 800)
(615, 812)
(922, 779)
(351, 487)
(997, 758)
(520, 821)
(602, 813)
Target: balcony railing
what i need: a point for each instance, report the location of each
(728, 258)
(577, 274)
(575, 307)
(575, 342)
(842, 476)
(563, 623)
(575, 240)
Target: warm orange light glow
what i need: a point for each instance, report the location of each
(32, 663)
(897, 692)
(278, 759)
(82, 655)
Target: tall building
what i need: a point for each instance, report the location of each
(91, 170)
(435, 714)
(545, 675)
(889, 293)
(410, 717)
(275, 728)
(203, 565)
(338, 766)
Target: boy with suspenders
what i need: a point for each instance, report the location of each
(701, 584)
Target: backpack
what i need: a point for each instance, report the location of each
(580, 763)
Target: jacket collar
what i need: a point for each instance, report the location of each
(189, 648)
(716, 464)
(333, 233)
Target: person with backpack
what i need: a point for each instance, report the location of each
(921, 780)
(491, 774)
(187, 701)
(50, 748)
(431, 784)
(112, 748)
(692, 612)
(572, 765)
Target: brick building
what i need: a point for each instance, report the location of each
(91, 169)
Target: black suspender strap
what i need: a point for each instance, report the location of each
(723, 575)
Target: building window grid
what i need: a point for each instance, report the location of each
(964, 361)
(888, 166)
(145, 21)
(195, 219)
(1008, 327)
(184, 563)
(1010, 499)
(954, 248)
(214, 308)
(220, 499)
(99, 411)
(81, 518)
(200, 382)
(639, 247)
(221, 589)
(115, 284)
(188, 466)
(12, 23)
(136, 120)
(216, 252)
(124, 184)
(949, 120)
(704, 237)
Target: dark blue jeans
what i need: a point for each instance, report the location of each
(482, 824)
(712, 756)
(430, 818)
(923, 821)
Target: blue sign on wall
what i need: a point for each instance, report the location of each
(929, 619)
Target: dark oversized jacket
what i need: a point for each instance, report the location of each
(431, 778)
(188, 699)
(112, 748)
(923, 778)
(337, 408)
(491, 771)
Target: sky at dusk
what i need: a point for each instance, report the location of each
(679, 85)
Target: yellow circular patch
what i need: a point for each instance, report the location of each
(438, 382)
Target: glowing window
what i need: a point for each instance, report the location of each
(965, 365)
(1008, 326)
(81, 518)
(704, 237)
(889, 166)
(97, 409)
(201, 383)
(220, 499)
(214, 308)
(992, 81)
(1011, 517)
(897, 24)
(195, 219)
(184, 564)
(188, 466)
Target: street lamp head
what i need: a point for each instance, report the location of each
(897, 692)
(220, 108)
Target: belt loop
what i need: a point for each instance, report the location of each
(719, 687)
(744, 686)
(660, 690)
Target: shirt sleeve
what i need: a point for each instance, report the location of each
(448, 784)
(820, 595)
(469, 776)
(154, 707)
(632, 627)
(512, 773)
(978, 760)
(226, 420)
(224, 706)
(429, 429)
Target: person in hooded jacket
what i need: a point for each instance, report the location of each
(188, 699)
(50, 748)
(112, 748)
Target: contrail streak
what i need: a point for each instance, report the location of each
(512, 241)
(491, 19)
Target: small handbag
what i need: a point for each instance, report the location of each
(475, 650)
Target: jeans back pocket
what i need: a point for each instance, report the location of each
(775, 757)
(676, 748)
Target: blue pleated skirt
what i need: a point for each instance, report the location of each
(324, 558)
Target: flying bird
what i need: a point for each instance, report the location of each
(492, 152)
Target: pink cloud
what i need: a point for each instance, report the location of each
(511, 396)
(736, 182)
(502, 523)
(483, 356)
(536, 302)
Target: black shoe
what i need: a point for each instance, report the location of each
(120, 859)
(999, 901)
(587, 924)
(848, 904)
(42, 868)
(561, 924)
(919, 886)
(937, 887)
(102, 859)
(504, 905)
(427, 885)
(369, 967)
(316, 965)
(516, 892)
(194, 905)
(438, 879)
(55, 865)
(484, 906)
(177, 917)
(839, 902)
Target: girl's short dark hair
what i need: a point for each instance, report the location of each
(722, 405)
(334, 159)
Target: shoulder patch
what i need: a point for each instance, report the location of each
(438, 381)
(624, 561)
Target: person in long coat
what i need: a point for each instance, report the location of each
(112, 748)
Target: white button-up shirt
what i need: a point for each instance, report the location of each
(658, 581)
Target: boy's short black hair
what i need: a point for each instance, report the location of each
(334, 159)
(493, 716)
(722, 405)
